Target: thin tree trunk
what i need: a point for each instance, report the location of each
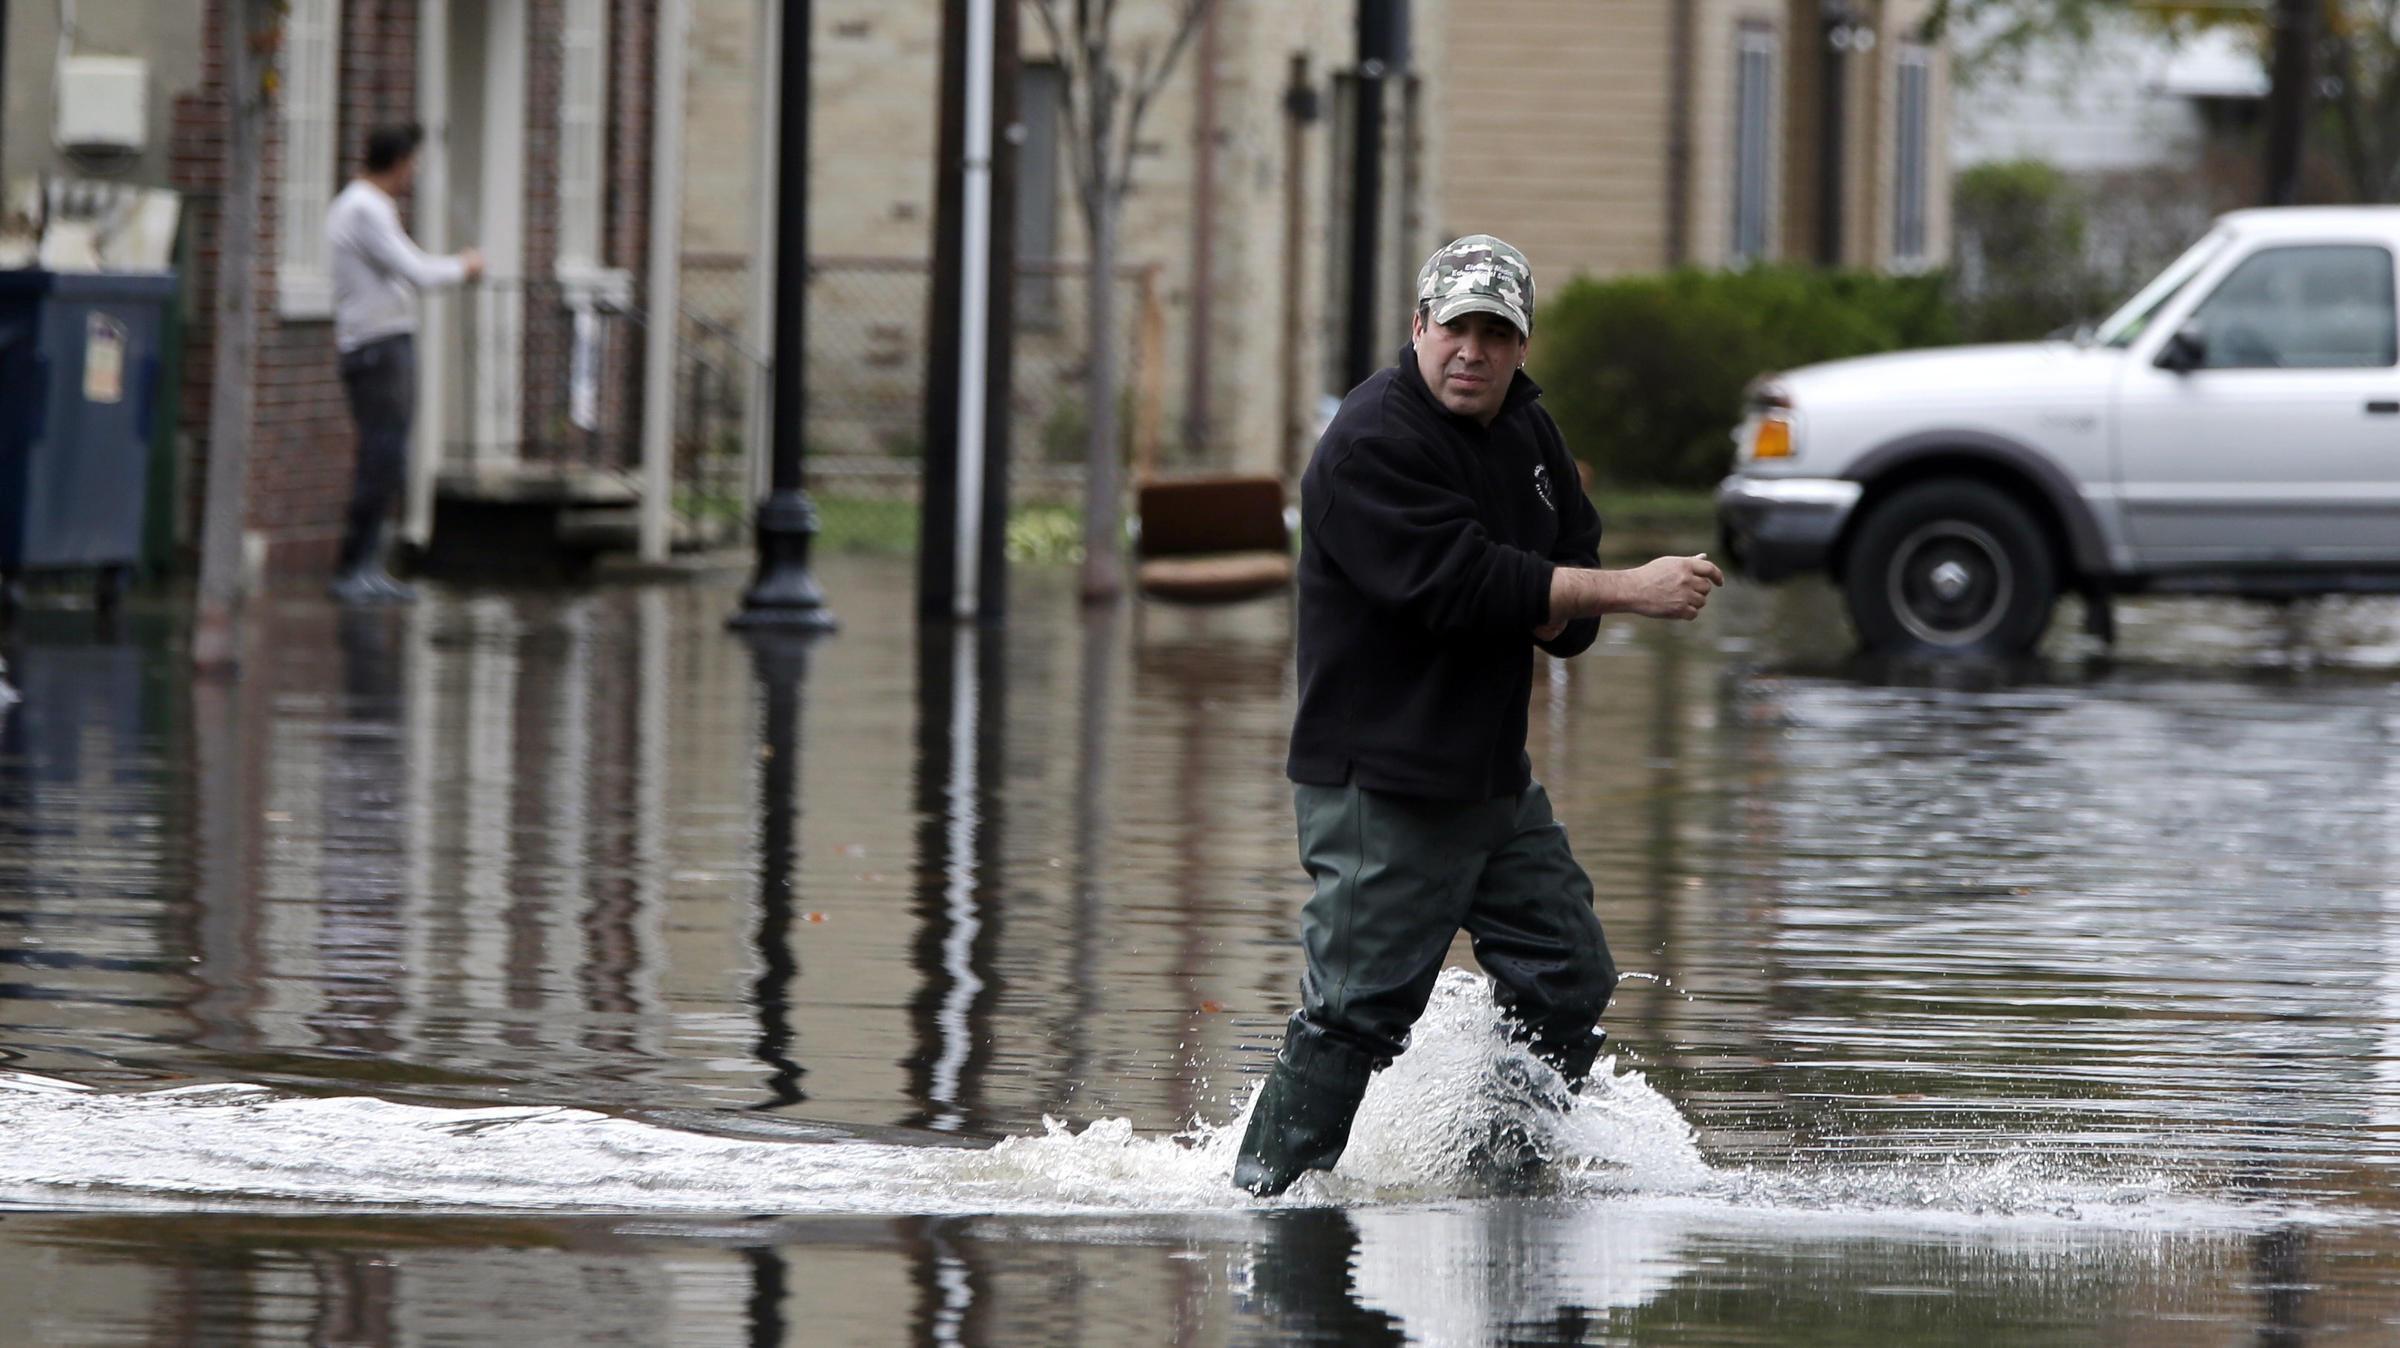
(236, 334)
(1103, 524)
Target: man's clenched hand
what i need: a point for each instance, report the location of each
(1668, 587)
(1672, 587)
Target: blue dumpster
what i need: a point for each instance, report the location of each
(79, 364)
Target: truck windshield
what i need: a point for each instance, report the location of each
(2129, 321)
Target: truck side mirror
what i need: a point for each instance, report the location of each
(2186, 350)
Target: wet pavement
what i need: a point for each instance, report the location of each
(558, 966)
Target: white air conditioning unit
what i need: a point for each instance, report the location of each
(103, 104)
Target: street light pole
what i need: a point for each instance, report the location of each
(783, 594)
(1382, 57)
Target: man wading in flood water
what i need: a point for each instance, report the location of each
(1445, 535)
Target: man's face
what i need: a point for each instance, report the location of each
(404, 173)
(1469, 361)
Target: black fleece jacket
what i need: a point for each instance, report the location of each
(1427, 545)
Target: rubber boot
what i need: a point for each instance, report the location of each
(1302, 1120)
(1573, 1060)
(1521, 1103)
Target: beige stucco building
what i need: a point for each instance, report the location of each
(1609, 136)
(1203, 241)
(1603, 136)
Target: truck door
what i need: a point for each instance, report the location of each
(2281, 445)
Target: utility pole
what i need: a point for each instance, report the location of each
(1382, 54)
(784, 594)
(1299, 113)
(247, 36)
(3, 86)
(2288, 98)
(962, 543)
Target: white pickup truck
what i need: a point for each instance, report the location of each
(2233, 429)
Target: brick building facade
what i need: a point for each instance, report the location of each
(497, 357)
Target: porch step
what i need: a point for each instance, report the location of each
(538, 522)
(538, 484)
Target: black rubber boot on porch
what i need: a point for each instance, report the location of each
(1302, 1120)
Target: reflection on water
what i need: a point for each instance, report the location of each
(2047, 1004)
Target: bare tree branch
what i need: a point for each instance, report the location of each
(1103, 115)
(1148, 88)
(1074, 92)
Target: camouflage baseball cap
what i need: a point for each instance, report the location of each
(1478, 274)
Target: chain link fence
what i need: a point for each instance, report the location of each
(865, 385)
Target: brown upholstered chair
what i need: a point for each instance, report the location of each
(1213, 539)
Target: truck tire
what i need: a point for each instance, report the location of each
(1950, 567)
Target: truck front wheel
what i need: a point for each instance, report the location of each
(1950, 567)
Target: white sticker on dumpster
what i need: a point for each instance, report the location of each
(103, 359)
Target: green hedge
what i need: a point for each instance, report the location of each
(1645, 373)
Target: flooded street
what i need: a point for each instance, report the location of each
(557, 966)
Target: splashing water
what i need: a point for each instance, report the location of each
(1446, 1121)
(237, 1145)
(1465, 1102)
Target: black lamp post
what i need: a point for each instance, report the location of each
(783, 594)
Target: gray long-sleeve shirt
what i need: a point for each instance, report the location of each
(377, 269)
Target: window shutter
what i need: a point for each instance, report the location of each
(311, 117)
(582, 134)
(1914, 94)
(1755, 94)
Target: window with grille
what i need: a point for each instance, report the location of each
(311, 117)
(1754, 143)
(1912, 89)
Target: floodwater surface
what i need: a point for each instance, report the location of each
(557, 966)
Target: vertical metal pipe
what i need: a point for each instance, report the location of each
(236, 333)
(999, 439)
(437, 311)
(664, 301)
(1833, 96)
(1679, 136)
(937, 464)
(974, 299)
(758, 322)
(1204, 241)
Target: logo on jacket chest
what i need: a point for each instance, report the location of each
(1541, 486)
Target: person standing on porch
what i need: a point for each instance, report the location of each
(377, 272)
(1446, 536)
